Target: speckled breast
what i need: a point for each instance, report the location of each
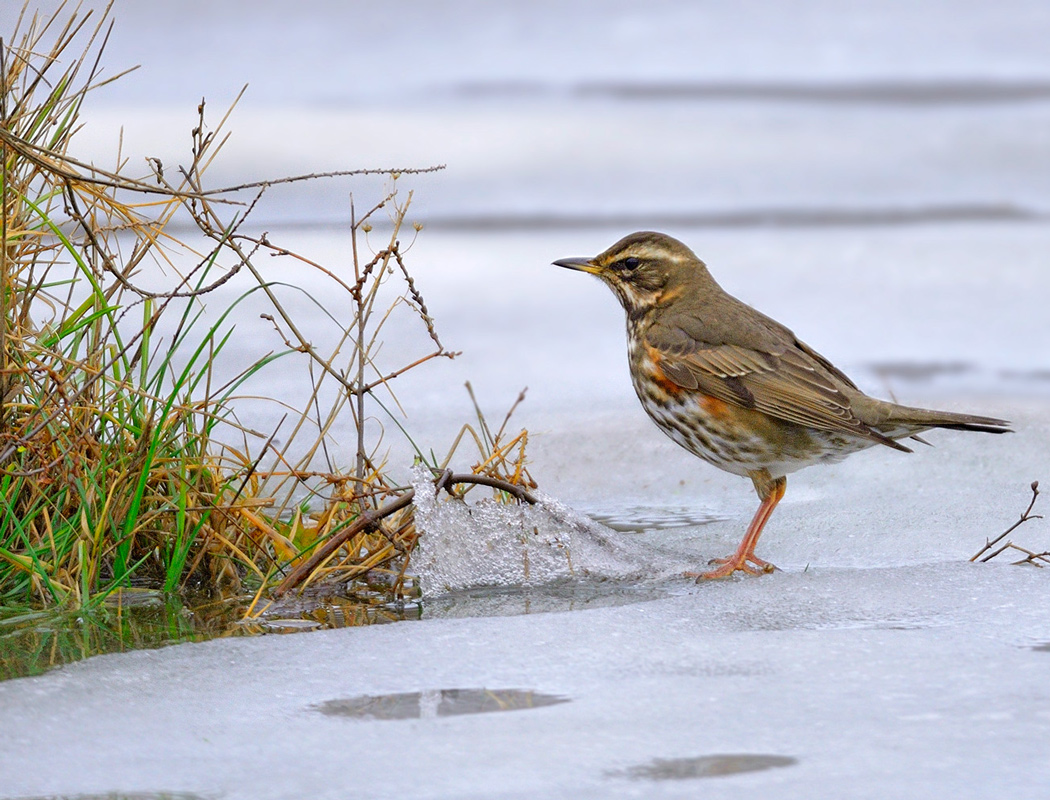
(736, 439)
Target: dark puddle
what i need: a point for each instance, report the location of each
(437, 703)
(882, 93)
(557, 596)
(920, 370)
(1027, 375)
(638, 519)
(928, 371)
(714, 766)
(120, 796)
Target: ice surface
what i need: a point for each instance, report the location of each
(906, 682)
(878, 663)
(349, 98)
(487, 543)
(448, 44)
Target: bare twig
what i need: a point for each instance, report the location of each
(1031, 557)
(448, 479)
(345, 173)
(417, 297)
(370, 519)
(510, 412)
(72, 169)
(1025, 516)
(325, 551)
(401, 370)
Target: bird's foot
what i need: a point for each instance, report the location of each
(751, 564)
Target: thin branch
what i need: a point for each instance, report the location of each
(391, 375)
(510, 413)
(345, 173)
(370, 519)
(1031, 557)
(60, 164)
(1025, 516)
(448, 478)
(325, 551)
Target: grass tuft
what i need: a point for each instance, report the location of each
(123, 463)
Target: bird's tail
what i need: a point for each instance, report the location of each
(923, 418)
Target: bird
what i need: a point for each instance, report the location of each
(737, 388)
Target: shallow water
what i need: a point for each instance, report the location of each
(33, 642)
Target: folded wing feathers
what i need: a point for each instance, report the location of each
(790, 386)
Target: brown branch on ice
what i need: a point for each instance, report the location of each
(1031, 557)
(371, 519)
(364, 522)
(449, 478)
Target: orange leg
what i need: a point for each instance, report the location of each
(770, 491)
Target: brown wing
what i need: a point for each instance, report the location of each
(788, 381)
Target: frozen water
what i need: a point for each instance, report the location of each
(878, 663)
(329, 91)
(487, 543)
(909, 682)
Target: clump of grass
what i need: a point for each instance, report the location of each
(122, 460)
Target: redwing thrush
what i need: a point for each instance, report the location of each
(737, 388)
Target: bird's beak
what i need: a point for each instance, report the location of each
(581, 264)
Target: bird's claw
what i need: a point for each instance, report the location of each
(752, 565)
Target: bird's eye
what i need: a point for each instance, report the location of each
(630, 262)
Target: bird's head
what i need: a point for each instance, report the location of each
(643, 269)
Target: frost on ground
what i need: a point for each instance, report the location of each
(467, 545)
